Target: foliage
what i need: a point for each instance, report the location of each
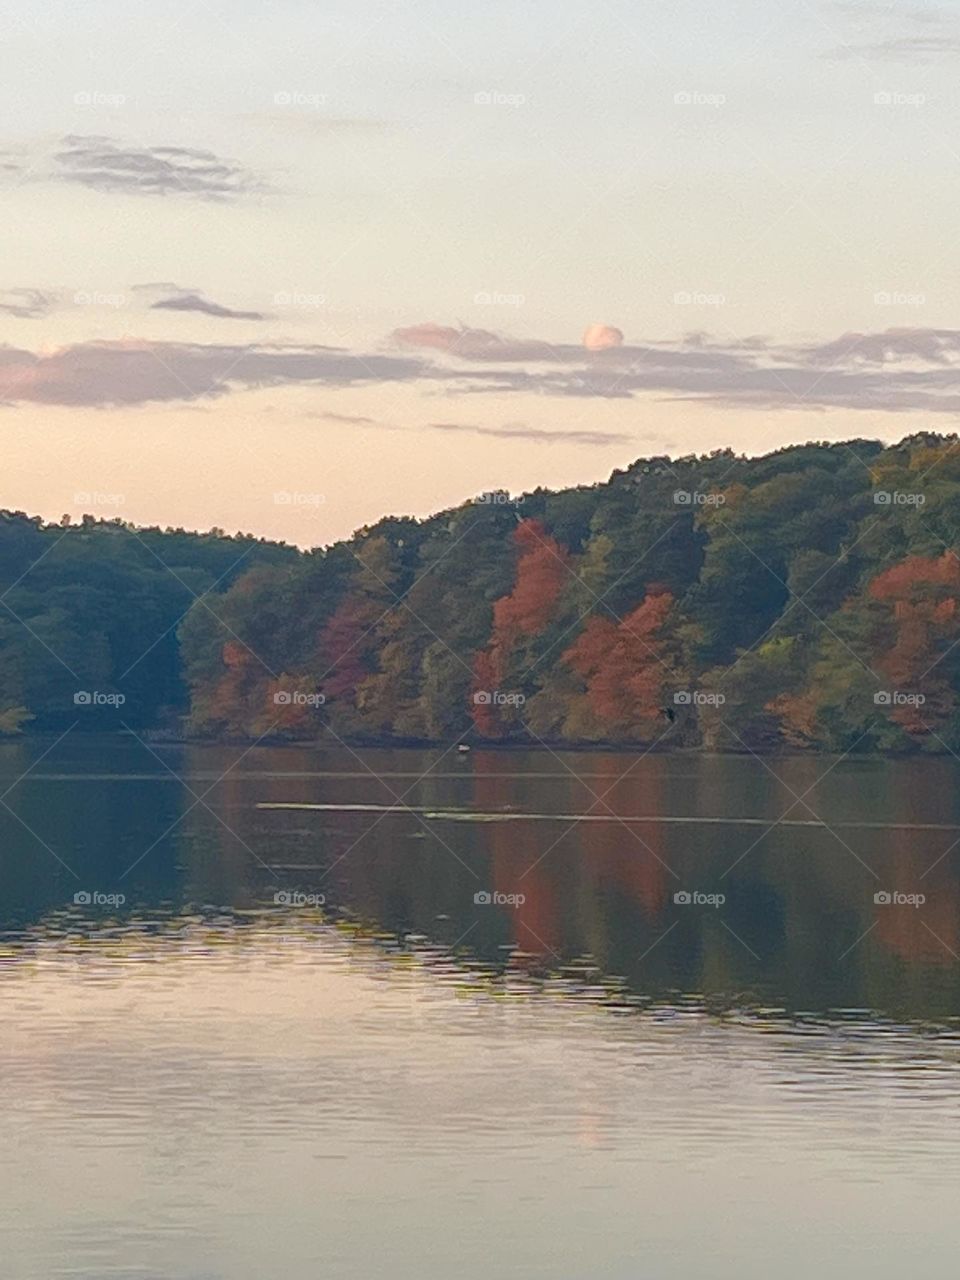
(94, 608)
(806, 599)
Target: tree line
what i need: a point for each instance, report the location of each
(804, 599)
(89, 617)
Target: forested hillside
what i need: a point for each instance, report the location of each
(89, 615)
(806, 599)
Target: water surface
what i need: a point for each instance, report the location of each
(587, 1076)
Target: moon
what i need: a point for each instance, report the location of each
(601, 337)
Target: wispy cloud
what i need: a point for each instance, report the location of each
(349, 419)
(897, 370)
(106, 165)
(11, 162)
(194, 300)
(890, 32)
(107, 374)
(508, 431)
(27, 304)
(542, 435)
(904, 48)
(472, 344)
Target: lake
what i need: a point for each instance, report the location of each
(278, 1012)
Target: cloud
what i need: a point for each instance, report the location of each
(27, 304)
(895, 371)
(350, 419)
(900, 48)
(518, 431)
(103, 164)
(508, 431)
(473, 344)
(193, 300)
(483, 346)
(109, 374)
(931, 346)
(912, 35)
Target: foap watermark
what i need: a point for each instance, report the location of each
(698, 698)
(898, 698)
(94, 298)
(694, 98)
(97, 498)
(296, 698)
(302, 301)
(294, 898)
(897, 498)
(98, 98)
(297, 98)
(493, 898)
(893, 298)
(894, 898)
(686, 498)
(94, 698)
(494, 98)
(496, 498)
(696, 298)
(695, 898)
(896, 98)
(485, 299)
(498, 698)
(94, 898)
(288, 498)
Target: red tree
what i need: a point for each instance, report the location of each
(923, 593)
(624, 664)
(543, 568)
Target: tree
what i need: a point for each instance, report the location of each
(626, 668)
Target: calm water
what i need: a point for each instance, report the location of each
(383, 1073)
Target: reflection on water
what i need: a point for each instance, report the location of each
(780, 916)
(498, 1047)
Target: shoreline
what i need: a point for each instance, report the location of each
(158, 738)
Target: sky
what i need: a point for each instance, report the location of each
(289, 268)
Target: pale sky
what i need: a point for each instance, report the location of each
(287, 268)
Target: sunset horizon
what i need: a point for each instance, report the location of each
(492, 264)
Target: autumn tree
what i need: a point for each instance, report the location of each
(542, 573)
(626, 667)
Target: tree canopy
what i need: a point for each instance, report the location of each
(804, 599)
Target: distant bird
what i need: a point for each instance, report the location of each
(463, 747)
(669, 713)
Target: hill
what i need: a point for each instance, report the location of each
(805, 599)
